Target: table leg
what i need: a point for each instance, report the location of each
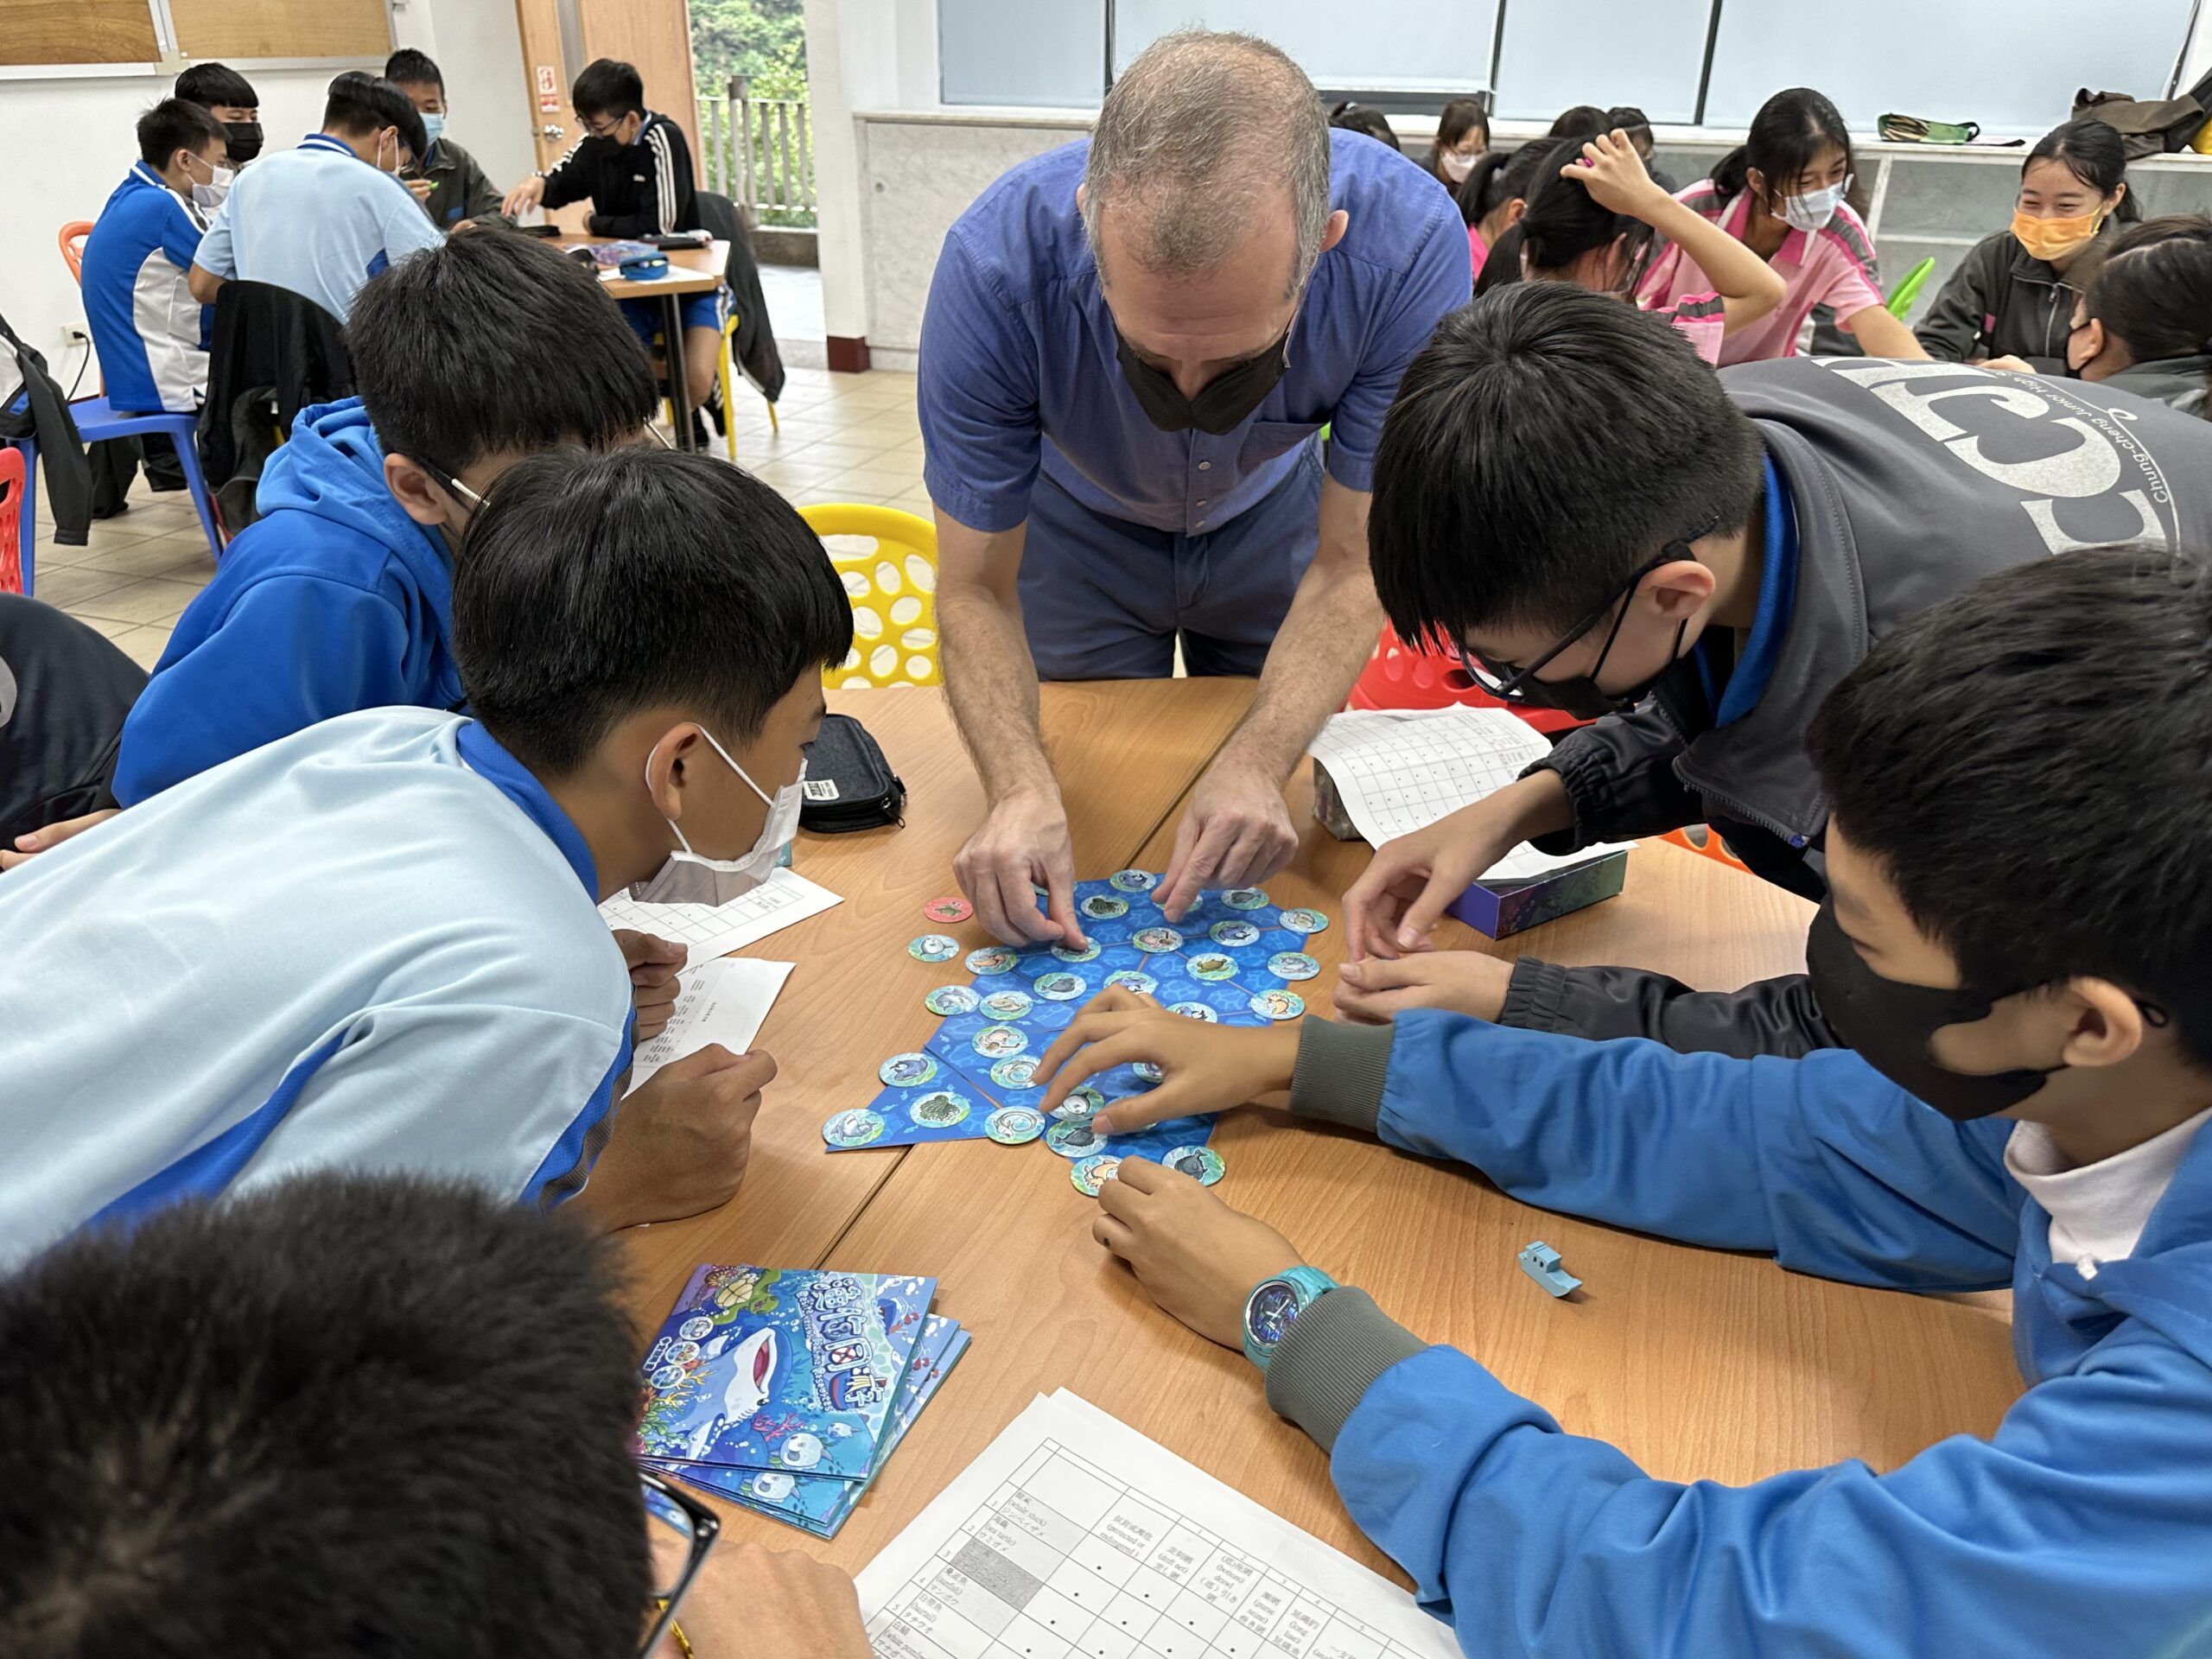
(679, 389)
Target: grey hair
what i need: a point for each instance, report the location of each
(1191, 144)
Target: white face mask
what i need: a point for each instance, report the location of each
(1812, 210)
(209, 196)
(1457, 167)
(689, 878)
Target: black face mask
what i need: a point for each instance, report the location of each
(1890, 1026)
(1581, 695)
(246, 141)
(1223, 405)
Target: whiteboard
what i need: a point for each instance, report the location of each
(1382, 46)
(2010, 65)
(1647, 53)
(1022, 52)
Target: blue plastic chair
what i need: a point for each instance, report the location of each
(96, 421)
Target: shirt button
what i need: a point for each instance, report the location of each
(1202, 500)
(1205, 466)
(1201, 524)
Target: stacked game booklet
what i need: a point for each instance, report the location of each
(784, 1389)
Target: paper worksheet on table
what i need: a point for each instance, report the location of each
(1235, 958)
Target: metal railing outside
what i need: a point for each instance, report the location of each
(760, 153)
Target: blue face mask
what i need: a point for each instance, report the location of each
(434, 127)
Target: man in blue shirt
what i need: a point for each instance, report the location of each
(315, 219)
(150, 333)
(1130, 348)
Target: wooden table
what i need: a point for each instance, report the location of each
(690, 271)
(1698, 1364)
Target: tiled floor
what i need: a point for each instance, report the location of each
(844, 437)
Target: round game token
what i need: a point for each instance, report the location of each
(1074, 1139)
(1201, 1163)
(1278, 1005)
(940, 1109)
(905, 1071)
(950, 909)
(934, 947)
(1089, 953)
(1148, 1071)
(1133, 880)
(1014, 1126)
(1080, 1107)
(1233, 933)
(1197, 1011)
(1305, 921)
(1001, 1042)
(1156, 939)
(991, 959)
(1245, 899)
(1292, 964)
(858, 1128)
(1058, 987)
(696, 1330)
(1093, 1172)
(1133, 979)
(1015, 1073)
(669, 1376)
(1101, 907)
(1211, 966)
(952, 999)
(1007, 1005)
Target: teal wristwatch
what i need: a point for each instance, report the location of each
(1274, 1307)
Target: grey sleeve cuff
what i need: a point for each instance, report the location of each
(1340, 1072)
(1328, 1358)
(1532, 995)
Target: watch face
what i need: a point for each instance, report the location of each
(1273, 1307)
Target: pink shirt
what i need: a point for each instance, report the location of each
(1702, 319)
(1832, 266)
(1478, 249)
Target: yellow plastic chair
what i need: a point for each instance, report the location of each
(888, 564)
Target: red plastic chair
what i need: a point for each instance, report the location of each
(73, 246)
(1400, 675)
(16, 526)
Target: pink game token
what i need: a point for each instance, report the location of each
(951, 909)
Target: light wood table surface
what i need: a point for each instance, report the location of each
(690, 271)
(1698, 1363)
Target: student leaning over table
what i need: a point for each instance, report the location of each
(375, 944)
(2026, 973)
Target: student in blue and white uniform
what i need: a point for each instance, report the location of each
(375, 944)
(150, 333)
(323, 218)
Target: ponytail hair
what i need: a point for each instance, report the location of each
(1791, 129)
(1503, 265)
(1497, 177)
(2152, 290)
(1563, 220)
(2094, 153)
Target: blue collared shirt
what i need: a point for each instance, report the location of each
(1019, 372)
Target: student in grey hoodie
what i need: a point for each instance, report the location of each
(2144, 324)
(1600, 523)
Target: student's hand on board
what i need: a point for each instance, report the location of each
(1235, 832)
(681, 1142)
(1376, 991)
(1208, 1068)
(749, 1599)
(653, 965)
(523, 197)
(1195, 1257)
(1022, 845)
(30, 845)
(1614, 174)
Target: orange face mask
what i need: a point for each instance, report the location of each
(2054, 239)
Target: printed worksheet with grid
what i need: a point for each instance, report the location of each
(1072, 1536)
(714, 930)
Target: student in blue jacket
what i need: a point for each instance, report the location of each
(375, 944)
(2016, 946)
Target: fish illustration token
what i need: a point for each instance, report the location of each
(991, 959)
(1074, 1140)
(1233, 933)
(934, 947)
(1278, 1005)
(1070, 953)
(1148, 1071)
(1201, 1163)
(1091, 1173)
(1305, 921)
(1292, 964)
(858, 1127)
(1133, 979)
(1156, 939)
(952, 999)
(1245, 899)
(1001, 1042)
(1058, 987)
(1197, 1011)
(905, 1070)
(1014, 1126)
(1007, 1005)
(1133, 880)
(1081, 1106)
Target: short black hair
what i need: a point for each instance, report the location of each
(608, 86)
(209, 85)
(2094, 154)
(1786, 135)
(2030, 762)
(409, 68)
(361, 103)
(1628, 119)
(1581, 121)
(591, 586)
(1543, 445)
(343, 1414)
(1358, 118)
(493, 341)
(176, 123)
(1563, 220)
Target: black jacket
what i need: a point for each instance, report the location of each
(460, 190)
(756, 341)
(1904, 492)
(273, 353)
(64, 692)
(2004, 302)
(44, 418)
(643, 189)
(2178, 382)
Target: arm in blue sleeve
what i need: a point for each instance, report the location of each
(180, 238)
(1437, 284)
(1818, 1160)
(2084, 1525)
(976, 396)
(285, 653)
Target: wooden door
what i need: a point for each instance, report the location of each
(546, 79)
